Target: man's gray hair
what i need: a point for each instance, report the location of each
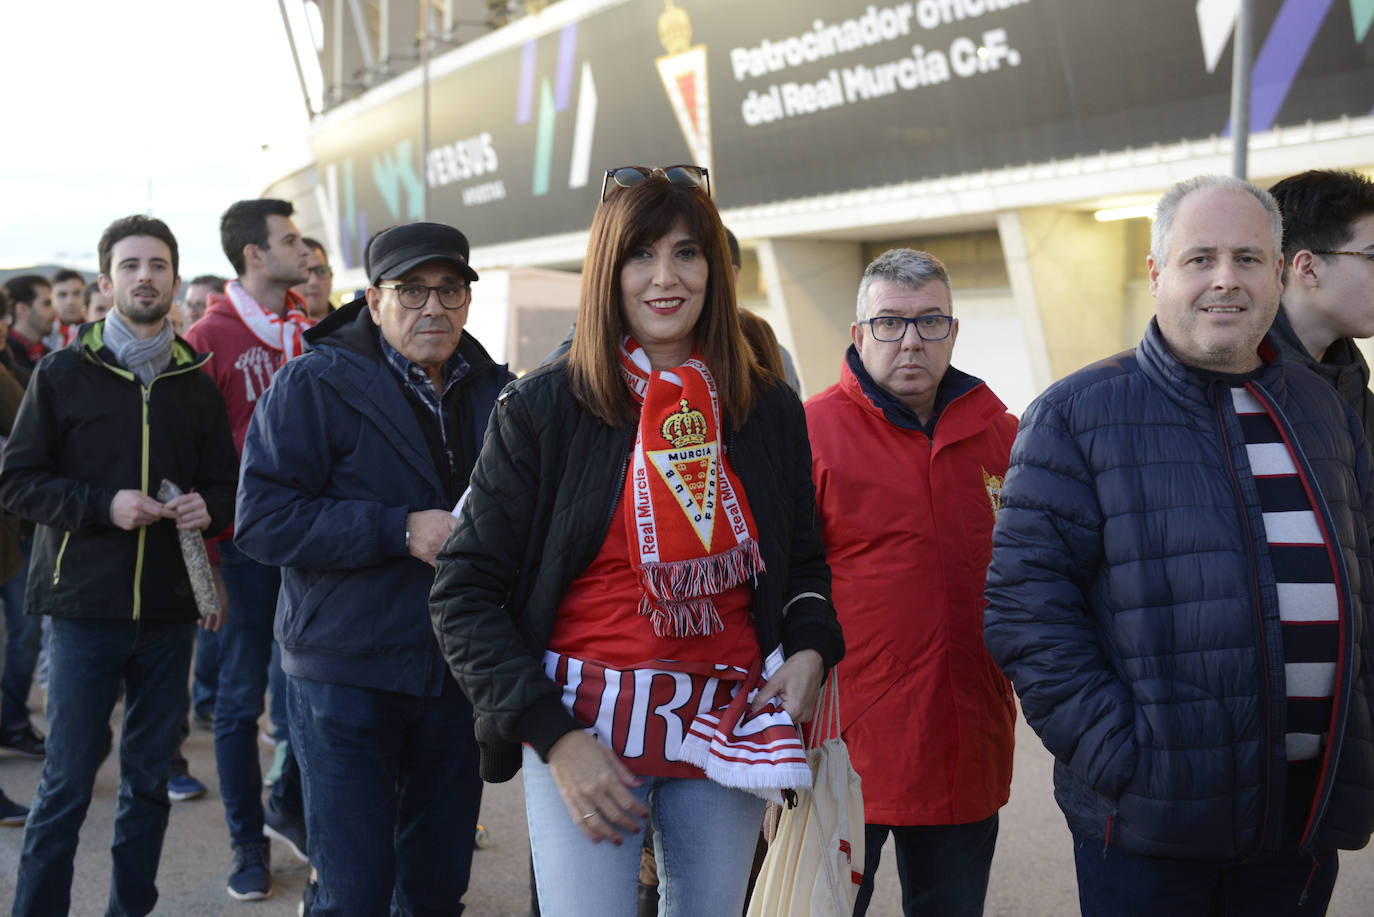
(1162, 231)
(905, 267)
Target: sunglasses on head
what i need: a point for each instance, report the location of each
(683, 175)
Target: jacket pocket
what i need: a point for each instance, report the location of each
(301, 608)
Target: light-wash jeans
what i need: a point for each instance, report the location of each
(704, 842)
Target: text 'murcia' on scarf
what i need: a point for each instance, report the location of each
(276, 333)
(691, 533)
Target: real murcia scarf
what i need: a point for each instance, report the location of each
(685, 715)
(691, 533)
(283, 334)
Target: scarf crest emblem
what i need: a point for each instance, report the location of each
(680, 553)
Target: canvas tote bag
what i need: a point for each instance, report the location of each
(815, 863)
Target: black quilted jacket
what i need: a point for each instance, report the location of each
(541, 501)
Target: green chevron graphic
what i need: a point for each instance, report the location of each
(1362, 12)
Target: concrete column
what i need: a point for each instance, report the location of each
(1070, 279)
(811, 287)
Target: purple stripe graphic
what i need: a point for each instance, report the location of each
(567, 47)
(1276, 66)
(524, 97)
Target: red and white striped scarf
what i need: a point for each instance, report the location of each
(277, 333)
(678, 713)
(680, 481)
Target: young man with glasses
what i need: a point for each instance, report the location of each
(317, 287)
(1328, 280)
(908, 456)
(351, 467)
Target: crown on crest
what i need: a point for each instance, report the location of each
(685, 427)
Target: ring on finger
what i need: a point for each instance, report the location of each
(589, 815)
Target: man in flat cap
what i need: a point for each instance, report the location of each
(352, 463)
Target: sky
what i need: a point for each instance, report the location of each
(174, 108)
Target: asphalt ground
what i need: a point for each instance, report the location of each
(1032, 873)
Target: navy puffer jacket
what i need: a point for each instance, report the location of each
(1131, 600)
(333, 462)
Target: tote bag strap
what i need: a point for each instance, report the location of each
(825, 719)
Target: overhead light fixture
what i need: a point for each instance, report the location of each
(1133, 212)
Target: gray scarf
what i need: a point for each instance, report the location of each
(144, 357)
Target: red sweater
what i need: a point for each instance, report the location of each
(927, 714)
(241, 365)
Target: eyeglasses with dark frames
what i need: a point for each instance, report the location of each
(415, 295)
(320, 270)
(1369, 256)
(683, 175)
(892, 328)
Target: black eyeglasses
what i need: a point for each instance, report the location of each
(682, 175)
(415, 295)
(892, 328)
(1366, 255)
(320, 270)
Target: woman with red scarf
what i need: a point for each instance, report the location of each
(636, 591)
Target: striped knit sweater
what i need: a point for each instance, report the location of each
(1304, 575)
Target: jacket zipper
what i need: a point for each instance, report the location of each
(142, 529)
(619, 489)
(1259, 612)
(57, 567)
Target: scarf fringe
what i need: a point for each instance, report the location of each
(765, 782)
(709, 575)
(690, 618)
(696, 580)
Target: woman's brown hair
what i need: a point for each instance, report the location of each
(764, 343)
(630, 218)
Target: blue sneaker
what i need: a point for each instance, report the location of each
(11, 812)
(184, 787)
(250, 876)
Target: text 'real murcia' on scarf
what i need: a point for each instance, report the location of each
(275, 332)
(691, 533)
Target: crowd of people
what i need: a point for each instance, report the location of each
(628, 573)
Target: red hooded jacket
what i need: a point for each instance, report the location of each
(927, 715)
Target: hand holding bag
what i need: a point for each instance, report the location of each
(815, 863)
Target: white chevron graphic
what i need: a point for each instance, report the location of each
(583, 130)
(1216, 20)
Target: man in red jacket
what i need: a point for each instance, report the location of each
(908, 456)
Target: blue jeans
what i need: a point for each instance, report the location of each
(90, 659)
(391, 796)
(276, 692)
(245, 650)
(21, 648)
(1114, 882)
(704, 839)
(943, 868)
(205, 672)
